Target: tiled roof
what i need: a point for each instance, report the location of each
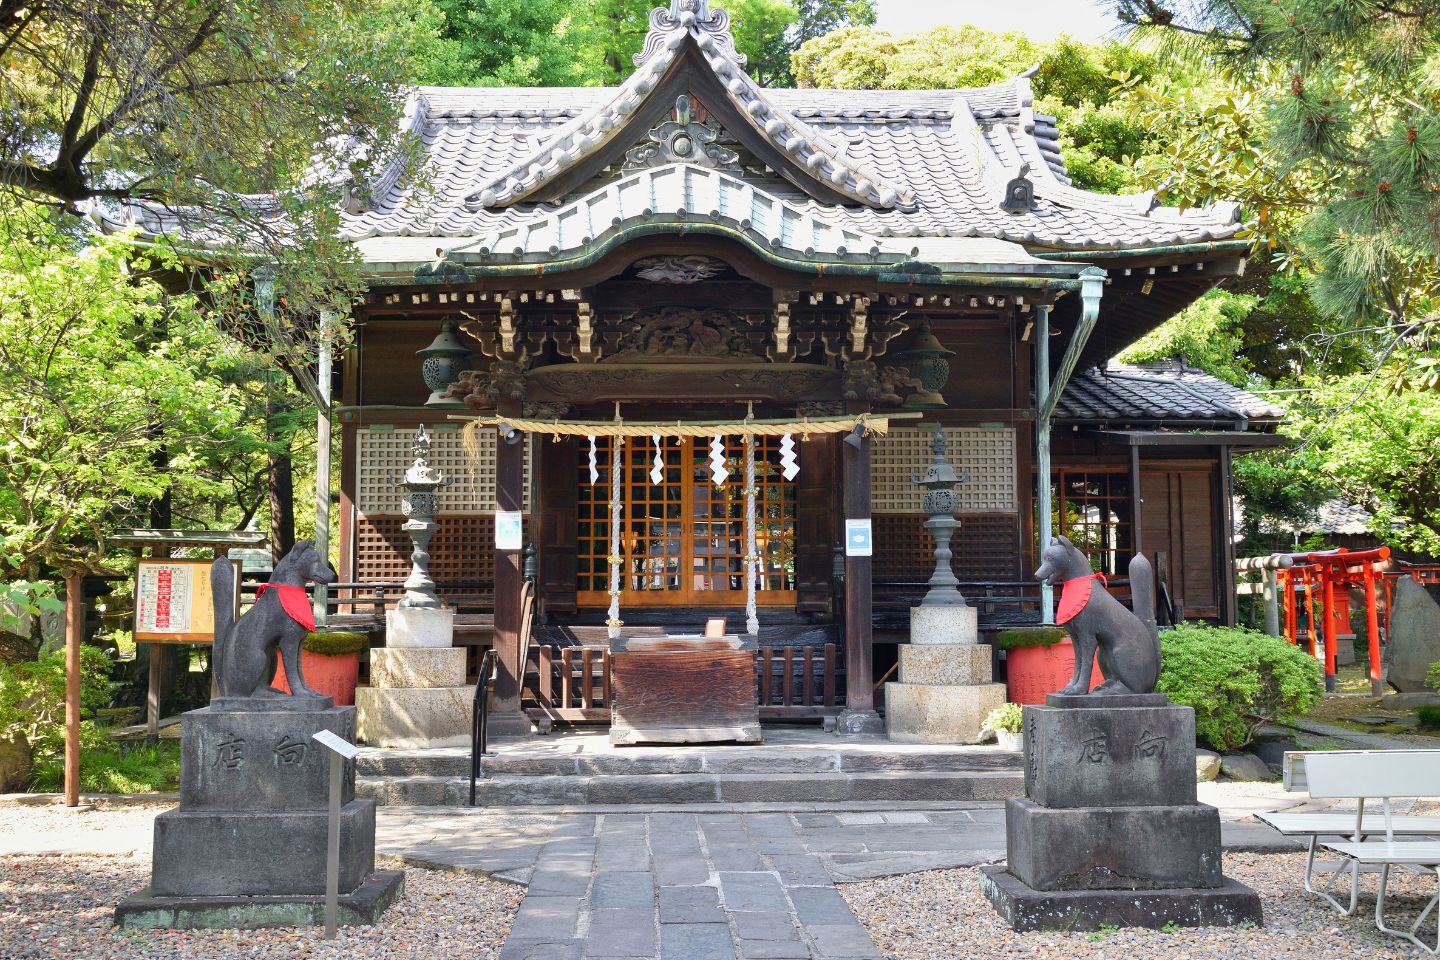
(1123, 393)
(904, 164)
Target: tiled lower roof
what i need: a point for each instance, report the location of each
(1163, 392)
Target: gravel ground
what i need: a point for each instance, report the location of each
(54, 907)
(941, 913)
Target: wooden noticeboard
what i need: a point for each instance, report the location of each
(173, 602)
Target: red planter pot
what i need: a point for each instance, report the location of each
(1032, 672)
(334, 675)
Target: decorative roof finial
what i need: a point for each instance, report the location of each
(710, 27)
(1019, 193)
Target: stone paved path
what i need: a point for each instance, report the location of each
(686, 886)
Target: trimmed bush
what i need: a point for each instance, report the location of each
(336, 643)
(1236, 680)
(1030, 637)
(1428, 717)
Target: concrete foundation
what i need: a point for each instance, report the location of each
(1103, 756)
(927, 713)
(419, 627)
(945, 664)
(944, 624)
(1025, 909)
(260, 760)
(359, 907)
(417, 667)
(414, 717)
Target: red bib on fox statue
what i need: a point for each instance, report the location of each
(1074, 594)
(294, 601)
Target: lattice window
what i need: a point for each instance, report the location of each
(984, 548)
(462, 551)
(988, 455)
(1092, 508)
(383, 455)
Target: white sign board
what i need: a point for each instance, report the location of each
(336, 744)
(508, 528)
(173, 603)
(858, 541)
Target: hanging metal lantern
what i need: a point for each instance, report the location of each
(929, 362)
(443, 360)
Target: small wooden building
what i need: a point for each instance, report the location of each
(689, 247)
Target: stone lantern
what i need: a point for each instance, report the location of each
(417, 502)
(929, 362)
(940, 503)
(443, 360)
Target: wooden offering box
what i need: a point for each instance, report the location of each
(683, 689)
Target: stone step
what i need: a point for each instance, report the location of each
(455, 762)
(666, 788)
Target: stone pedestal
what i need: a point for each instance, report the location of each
(1109, 830)
(945, 687)
(417, 695)
(246, 847)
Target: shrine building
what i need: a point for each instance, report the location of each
(647, 275)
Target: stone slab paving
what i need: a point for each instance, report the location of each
(684, 886)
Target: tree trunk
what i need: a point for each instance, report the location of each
(281, 488)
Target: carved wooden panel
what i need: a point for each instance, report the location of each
(984, 548)
(988, 455)
(382, 454)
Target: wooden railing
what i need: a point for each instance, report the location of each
(573, 684)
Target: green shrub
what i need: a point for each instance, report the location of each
(108, 767)
(1007, 716)
(1432, 676)
(1428, 717)
(336, 643)
(1236, 680)
(1030, 637)
(32, 699)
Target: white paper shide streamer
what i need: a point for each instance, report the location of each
(657, 472)
(789, 465)
(752, 559)
(594, 468)
(718, 471)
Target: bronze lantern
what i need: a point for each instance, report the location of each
(441, 365)
(929, 362)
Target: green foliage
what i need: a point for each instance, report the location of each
(22, 599)
(1207, 335)
(107, 767)
(1236, 680)
(1428, 717)
(1432, 676)
(1030, 637)
(1007, 716)
(32, 699)
(1280, 491)
(337, 643)
(1074, 81)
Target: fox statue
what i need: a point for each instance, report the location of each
(245, 648)
(1128, 644)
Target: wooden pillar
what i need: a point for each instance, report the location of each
(74, 628)
(860, 716)
(1229, 600)
(509, 495)
(1136, 520)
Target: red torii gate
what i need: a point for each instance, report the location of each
(1329, 570)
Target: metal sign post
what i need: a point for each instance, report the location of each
(340, 752)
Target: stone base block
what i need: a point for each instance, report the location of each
(256, 760)
(414, 717)
(944, 624)
(945, 664)
(1110, 756)
(419, 627)
(1113, 848)
(259, 854)
(417, 667)
(922, 713)
(359, 907)
(1227, 905)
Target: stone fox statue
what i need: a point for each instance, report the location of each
(1128, 643)
(245, 649)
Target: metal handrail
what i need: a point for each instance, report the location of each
(480, 714)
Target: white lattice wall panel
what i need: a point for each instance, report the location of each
(383, 455)
(989, 456)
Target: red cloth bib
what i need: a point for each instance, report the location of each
(1074, 594)
(293, 601)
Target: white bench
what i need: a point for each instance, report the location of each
(1389, 853)
(1358, 775)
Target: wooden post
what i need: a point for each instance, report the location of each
(1272, 607)
(74, 627)
(509, 495)
(860, 716)
(1372, 625)
(1327, 614)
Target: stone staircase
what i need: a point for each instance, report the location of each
(765, 774)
